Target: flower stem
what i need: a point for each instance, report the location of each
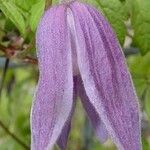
(4, 75)
(14, 136)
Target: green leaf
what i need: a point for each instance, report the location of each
(116, 14)
(140, 18)
(139, 65)
(25, 4)
(11, 11)
(140, 70)
(9, 25)
(36, 13)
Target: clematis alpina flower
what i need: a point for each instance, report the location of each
(79, 55)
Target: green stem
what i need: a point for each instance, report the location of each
(4, 75)
(14, 136)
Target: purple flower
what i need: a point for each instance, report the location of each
(79, 55)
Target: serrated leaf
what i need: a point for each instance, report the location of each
(11, 11)
(140, 19)
(36, 13)
(116, 14)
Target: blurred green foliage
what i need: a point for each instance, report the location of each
(19, 19)
(140, 18)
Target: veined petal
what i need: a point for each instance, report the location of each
(106, 78)
(62, 141)
(54, 95)
(98, 125)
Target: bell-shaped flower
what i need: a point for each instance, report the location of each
(79, 55)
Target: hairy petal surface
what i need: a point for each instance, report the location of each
(54, 95)
(99, 127)
(105, 76)
(62, 141)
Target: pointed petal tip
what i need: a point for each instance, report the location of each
(62, 140)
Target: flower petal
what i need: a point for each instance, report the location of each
(54, 95)
(99, 127)
(62, 141)
(106, 78)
